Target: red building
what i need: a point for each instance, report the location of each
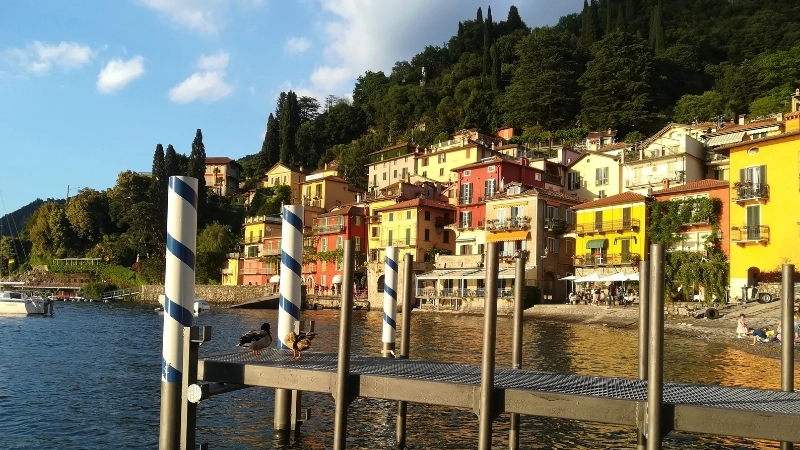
(325, 242)
(483, 180)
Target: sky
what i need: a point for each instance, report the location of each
(88, 88)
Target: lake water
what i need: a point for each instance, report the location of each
(89, 378)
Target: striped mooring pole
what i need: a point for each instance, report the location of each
(390, 301)
(178, 300)
(289, 303)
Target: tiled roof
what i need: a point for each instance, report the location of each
(586, 154)
(487, 162)
(625, 197)
(757, 141)
(533, 191)
(396, 146)
(345, 210)
(730, 128)
(218, 160)
(616, 146)
(693, 186)
(416, 203)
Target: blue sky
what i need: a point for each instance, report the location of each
(88, 88)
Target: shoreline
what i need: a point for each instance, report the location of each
(721, 330)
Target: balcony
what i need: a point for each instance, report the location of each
(611, 225)
(431, 292)
(376, 218)
(606, 259)
(552, 179)
(271, 252)
(512, 223)
(325, 229)
(555, 224)
(750, 234)
(746, 191)
(253, 271)
(716, 159)
(399, 243)
(252, 240)
(442, 221)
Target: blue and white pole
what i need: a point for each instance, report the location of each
(178, 300)
(289, 302)
(390, 301)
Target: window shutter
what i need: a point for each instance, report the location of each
(556, 245)
(762, 175)
(742, 175)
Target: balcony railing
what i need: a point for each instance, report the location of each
(337, 228)
(374, 218)
(611, 225)
(750, 191)
(399, 243)
(272, 252)
(605, 259)
(508, 224)
(443, 221)
(749, 233)
(555, 224)
(252, 240)
(254, 271)
(458, 292)
(464, 200)
(552, 179)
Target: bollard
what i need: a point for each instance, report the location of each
(787, 335)
(289, 305)
(655, 374)
(644, 332)
(489, 343)
(178, 300)
(343, 367)
(390, 301)
(516, 342)
(405, 339)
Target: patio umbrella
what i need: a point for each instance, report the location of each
(632, 277)
(569, 278)
(588, 278)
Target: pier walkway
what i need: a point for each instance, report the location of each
(703, 409)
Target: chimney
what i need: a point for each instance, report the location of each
(742, 119)
(665, 183)
(358, 198)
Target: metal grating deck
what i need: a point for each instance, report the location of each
(743, 399)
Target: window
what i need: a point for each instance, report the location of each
(408, 236)
(391, 217)
(464, 249)
(760, 135)
(753, 222)
(625, 249)
(338, 265)
(428, 215)
(551, 212)
(626, 217)
(375, 232)
(404, 172)
(569, 247)
(358, 220)
(442, 158)
(323, 247)
(490, 188)
(408, 215)
(424, 162)
(538, 177)
(601, 193)
(395, 174)
(389, 242)
(424, 173)
(375, 180)
(339, 242)
(573, 181)
(324, 265)
(601, 176)
(598, 220)
(569, 216)
(467, 173)
(466, 219)
(756, 175)
(491, 169)
(552, 245)
(427, 235)
(719, 174)
(446, 237)
(466, 193)
(384, 176)
(358, 243)
(516, 211)
(441, 172)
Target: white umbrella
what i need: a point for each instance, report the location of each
(275, 279)
(632, 277)
(619, 276)
(588, 278)
(569, 278)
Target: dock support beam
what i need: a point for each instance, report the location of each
(343, 368)
(787, 335)
(644, 334)
(516, 343)
(405, 339)
(655, 366)
(391, 271)
(485, 411)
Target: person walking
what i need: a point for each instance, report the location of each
(741, 328)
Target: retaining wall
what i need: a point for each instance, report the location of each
(216, 294)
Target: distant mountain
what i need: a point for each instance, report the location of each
(13, 223)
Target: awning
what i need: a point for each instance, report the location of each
(504, 273)
(725, 139)
(459, 240)
(597, 243)
(275, 279)
(588, 278)
(508, 236)
(337, 279)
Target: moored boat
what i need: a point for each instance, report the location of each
(12, 302)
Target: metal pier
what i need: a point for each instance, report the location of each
(726, 411)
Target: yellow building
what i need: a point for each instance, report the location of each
(594, 175)
(286, 175)
(438, 162)
(248, 268)
(610, 234)
(765, 193)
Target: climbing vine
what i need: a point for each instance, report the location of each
(691, 269)
(667, 218)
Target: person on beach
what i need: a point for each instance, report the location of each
(596, 296)
(759, 335)
(741, 328)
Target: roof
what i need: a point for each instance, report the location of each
(288, 166)
(623, 198)
(418, 202)
(730, 128)
(345, 210)
(494, 160)
(396, 146)
(220, 161)
(585, 154)
(757, 141)
(533, 191)
(700, 185)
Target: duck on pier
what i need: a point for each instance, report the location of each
(255, 340)
(298, 343)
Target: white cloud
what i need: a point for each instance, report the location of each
(251, 90)
(38, 58)
(297, 45)
(362, 35)
(118, 73)
(208, 84)
(214, 63)
(203, 16)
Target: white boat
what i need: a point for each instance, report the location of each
(12, 302)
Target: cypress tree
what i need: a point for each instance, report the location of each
(270, 149)
(496, 81)
(607, 8)
(197, 169)
(656, 36)
(487, 43)
(159, 170)
(620, 23)
(171, 162)
(289, 122)
(514, 21)
(630, 10)
(589, 24)
(479, 17)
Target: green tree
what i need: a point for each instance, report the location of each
(159, 185)
(699, 108)
(367, 93)
(308, 108)
(213, 243)
(617, 84)
(289, 122)
(589, 21)
(487, 44)
(656, 36)
(197, 169)
(87, 214)
(171, 162)
(270, 149)
(543, 89)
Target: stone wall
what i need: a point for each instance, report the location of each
(674, 310)
(216, 294)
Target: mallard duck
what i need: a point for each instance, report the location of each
(255, 340)
(298, 343)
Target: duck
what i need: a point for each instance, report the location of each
(298, 343)
(255, 340)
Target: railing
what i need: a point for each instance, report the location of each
(458, 292)
(233, 255)
(464, 200)
(253, 240)
(555, 224)
(374, 218)
(749, 233)
(400, 242)
(119, 293)
(510, 223)
(750, 191)
(552, 179)
(657, 152)
(442, 221)
(611, 225)
(713, 157)
(272, 252)
(309, 268)
(605, 259)
(253, 271)
(337, 228)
